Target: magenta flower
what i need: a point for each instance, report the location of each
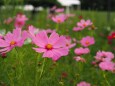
(81, 51)
(20, 20)
(8, 21)
(52, 46)
(84, 23)
(78, 28)
(59, 18)
(32, 31)
(87, 41)
(79, 59)
(59, 10)
(104, 56)
(11, 40)
(83, 83)
(1, 36)
(107, 65)
(50, 31)
(69, 43)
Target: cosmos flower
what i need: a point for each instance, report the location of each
(78, 28)
(107, 65)
(79, 59)
(84, 23)
(83, 83)
(59, 10)
(52, 46)
(8, 21)
(50, 31)
(59, 18)
(11, 40)
(87, 41)
(20, 20)
(104, 56)
(81, 51)
(113, 35)
(69, 43)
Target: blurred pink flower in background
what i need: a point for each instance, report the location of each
(78, 28)
(107, 65)
(87, 41)
(1, 36)
(69, 43)
(49, 31)
(32, 30)
(79, 59)
(59, 18)
(8, 21)
(84, 23)
(104, 56)
(20, 20)
(53, 8)
(52, 46)
(12, 40)
(59, 10)
(81, 51)
(83, 83)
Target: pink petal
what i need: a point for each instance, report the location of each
(53, 38)
(41, 39)
(3, 43)
(60, 43)
(48, 54)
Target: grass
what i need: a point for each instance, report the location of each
(18, 69)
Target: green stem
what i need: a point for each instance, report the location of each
(11, 80)
(42, 70)
(21, 72)
(36, 70)
(104, 75)
(57, 26)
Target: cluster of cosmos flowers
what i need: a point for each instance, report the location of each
(54, 45)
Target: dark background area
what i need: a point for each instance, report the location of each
(102, 5)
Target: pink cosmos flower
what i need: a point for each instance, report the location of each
(69, 43)
(109, 66)
(87, 41)
(59, 10)
(104, 56)
(1, 36)
(11, 40)
(53, 8)
(8, 21)
(79, 59)
(52, 46)
(50, 31)
(59, 18)
(20, 20)
(81, 51)
(84, 23)
(78, 28)
(83, 83)
(32, 30)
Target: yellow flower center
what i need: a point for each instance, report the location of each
(49, 46)
(84, 25)
(87, 42)
(59, 20)
(67, 45)
(12, 43)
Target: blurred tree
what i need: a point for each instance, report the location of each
(97, 4)
(44, 3)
